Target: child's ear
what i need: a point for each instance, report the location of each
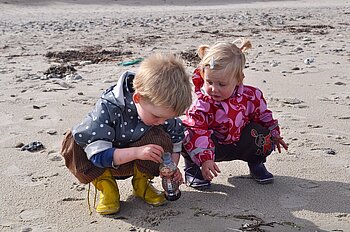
(136, 97)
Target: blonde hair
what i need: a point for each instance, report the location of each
(227, 56)
(162, 80)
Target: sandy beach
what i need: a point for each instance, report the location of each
(56, 57)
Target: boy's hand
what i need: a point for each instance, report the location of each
(150, 152)
(209, 170)
(279, 141)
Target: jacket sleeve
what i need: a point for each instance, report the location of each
(175, 129)
(198, 142)
(263, 115)
(96, 132)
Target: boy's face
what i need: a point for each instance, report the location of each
(217, 85)
(150, 114)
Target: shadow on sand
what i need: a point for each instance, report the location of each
(243, 205)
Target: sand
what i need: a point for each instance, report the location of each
(300, 59)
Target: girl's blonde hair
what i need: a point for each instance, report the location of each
(225, 56)
(162, 80)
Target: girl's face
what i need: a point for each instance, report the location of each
(150, 114)
(217, 86)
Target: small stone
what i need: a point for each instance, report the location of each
(19, 145)
(309, 60)
(77, 77)
(273, 64)
(330, 151)
(28, 117)
(51, 132)
(339, 83)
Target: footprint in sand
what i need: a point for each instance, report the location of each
(40, 228)
(292, 201)
(31, 214)
(26, 179)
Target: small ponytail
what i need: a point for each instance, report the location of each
(202, 49)
(245, 44)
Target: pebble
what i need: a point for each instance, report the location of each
(19, 145)
(309, 60)
(339, 83)
(274, 63)
(330, 151)
(51, 132)
(28, 117)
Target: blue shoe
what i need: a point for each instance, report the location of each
(194, 178)
(260, 174)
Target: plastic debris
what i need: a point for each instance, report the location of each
(131, 62)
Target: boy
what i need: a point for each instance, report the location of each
(132, 125)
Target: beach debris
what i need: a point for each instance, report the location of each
(131, 62)
(326, 150)
(309, 60)
(87, 55)
(33, 146)
(274, 63)
(330, 151)
(59, 71)
(191, 57)
(73, 77)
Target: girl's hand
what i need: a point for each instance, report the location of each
(209, 170)
(150, 152)
(178, 177)
(278, 140)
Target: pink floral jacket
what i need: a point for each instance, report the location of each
(223, 119)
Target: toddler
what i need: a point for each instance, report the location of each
(229, 120)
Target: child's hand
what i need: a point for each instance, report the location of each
(150, 152)
(279, 141)
(209, 170)
(178, 177)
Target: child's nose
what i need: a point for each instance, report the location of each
(160, 122)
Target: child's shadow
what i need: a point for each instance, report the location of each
(289, 204)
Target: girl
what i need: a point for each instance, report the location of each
(229, 120)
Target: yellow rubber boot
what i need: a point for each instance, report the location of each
(144, 189)
(109, 202)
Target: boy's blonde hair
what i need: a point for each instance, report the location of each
(162, 80)
(227, 56)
